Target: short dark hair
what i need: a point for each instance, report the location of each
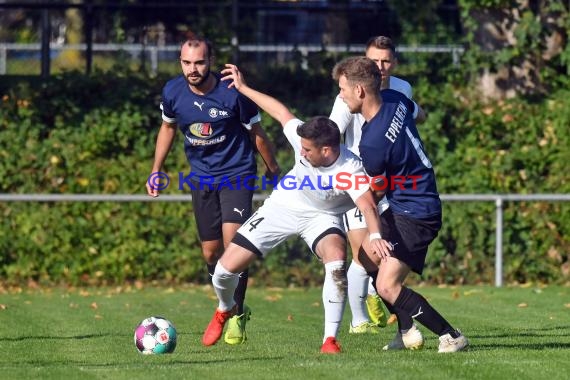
(381, 42)
(195, 40)
(321, 130)
(359, 70)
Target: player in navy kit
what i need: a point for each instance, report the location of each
(368, 313)
(221, 130)
(391, 147)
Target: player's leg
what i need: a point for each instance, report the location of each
(264, 230)
(235, 333)
(358, 280)
(208, 217)
(409, 255)
(236, 207)
(357, 277)
(366, 306)
(225, 280)
(391, 275)
(327, 240)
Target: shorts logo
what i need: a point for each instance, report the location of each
(201, 129)
(240, 212)
(214, 113)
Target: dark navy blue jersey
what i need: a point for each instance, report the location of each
(215, 128)
(391, 149)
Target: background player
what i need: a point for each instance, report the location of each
(218, 125)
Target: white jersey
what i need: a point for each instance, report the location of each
(331, 190)
(351, 124)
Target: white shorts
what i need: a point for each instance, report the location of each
(354, 220)
(273, 223)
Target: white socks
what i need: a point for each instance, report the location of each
(334, 296)
(357, 290)
(371, 288)
(225, 284)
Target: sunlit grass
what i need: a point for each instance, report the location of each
(58, 333)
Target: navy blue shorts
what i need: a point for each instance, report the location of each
(410, 237)
(215, 205)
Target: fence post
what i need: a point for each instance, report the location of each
(3, 58)
(499, 242)
(153, 59)
(45, 49)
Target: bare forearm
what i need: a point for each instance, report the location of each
(368, 209)
(372, 220)
(163, 144)
(265, 149)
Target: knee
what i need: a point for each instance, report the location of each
(334, 254)
(388, 292)
(211, 253)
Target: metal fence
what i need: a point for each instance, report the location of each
(155, 55)
(498, 199)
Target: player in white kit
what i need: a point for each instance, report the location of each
(325, 182)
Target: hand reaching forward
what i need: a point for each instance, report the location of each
(231, 72)
(382, 248)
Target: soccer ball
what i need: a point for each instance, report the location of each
(155, 335)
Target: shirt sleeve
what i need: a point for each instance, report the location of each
(167, 114)
(290, 131)
(402, 86)
(416, 110)
(405, 88)
(341, 115)
(357, 178)
(248, 112)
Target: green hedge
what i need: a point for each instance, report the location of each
(96, 134)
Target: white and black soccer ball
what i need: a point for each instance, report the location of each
(155, 335)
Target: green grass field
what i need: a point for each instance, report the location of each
(515, 333)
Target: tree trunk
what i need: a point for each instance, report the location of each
(518, 43)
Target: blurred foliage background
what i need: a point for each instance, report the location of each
(497, 123)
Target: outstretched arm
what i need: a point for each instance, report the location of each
(272, 106)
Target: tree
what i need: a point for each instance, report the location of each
(517, 47)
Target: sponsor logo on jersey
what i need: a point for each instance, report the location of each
(214, 113)
(201, 129)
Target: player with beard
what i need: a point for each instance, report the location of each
(222, 132)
